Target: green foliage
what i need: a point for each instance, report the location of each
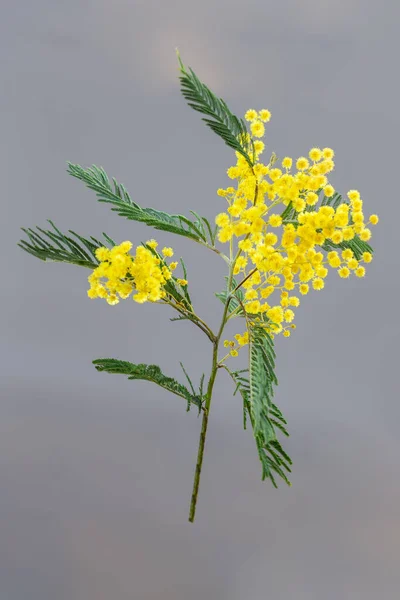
(96, 179)
(237, 298)
(219, 118)
(151, 373)
(273, 458)
(53, 245)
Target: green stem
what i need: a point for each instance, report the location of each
(214, 369)
(206, 411)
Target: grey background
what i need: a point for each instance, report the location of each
(96, 471)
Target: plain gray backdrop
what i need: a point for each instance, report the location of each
(96, 471)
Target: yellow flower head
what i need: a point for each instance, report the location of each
(251, 115)
(328, 153)
(264, 115)
(302, 163)
(257, 128)
(287, 162)
(315, 154)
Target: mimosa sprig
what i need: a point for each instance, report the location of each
(285, 226)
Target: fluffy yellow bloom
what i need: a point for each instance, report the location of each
(293, 257)
(288, 315)
(367, 257)
(286, 333)
(329, 190)
(347, 254)
(276, 314)
(318, 283)
(257, 128)
(275, 220)
(311, 198)
(167, 252)
(120, 274)
(102, 254)
(253, 307)
(251, 115)
(302, 163)
(328, 153)
(353, 195)
(259, 146)
(344, 272)
(315, 154)
(352, 264)
(287, 162)
(264, 115)
(374, 219)
(365, 235)
(360, 272)
(304, 288)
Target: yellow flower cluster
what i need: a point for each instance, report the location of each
(119, 274)
(271, 260)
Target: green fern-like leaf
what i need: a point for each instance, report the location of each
(273, 458)
(96, 179)
(151, 373)
(53, 245)
(235, 300)
(219, 118)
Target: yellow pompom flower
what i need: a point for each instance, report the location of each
(302, 163)
(287, 162)
(344, 272)
(365, 235)
(251, 115)
(337, 237)
(286, 333)
(275, 220)
(304, 288)
(253, 307)
(311, 198)
(329, 190)
(352, 264)
(367, 257)
(328, 153)
(315, 154)
(359, 272)
(257, 128)
(168, 252)
(347, 254)
(259, 146)
(124, 247)
(348, 233)
(318, 283)
(264, 115)
(353, 195)
(288, 315)
(102, 254)
(374, 219)
(294, 301)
